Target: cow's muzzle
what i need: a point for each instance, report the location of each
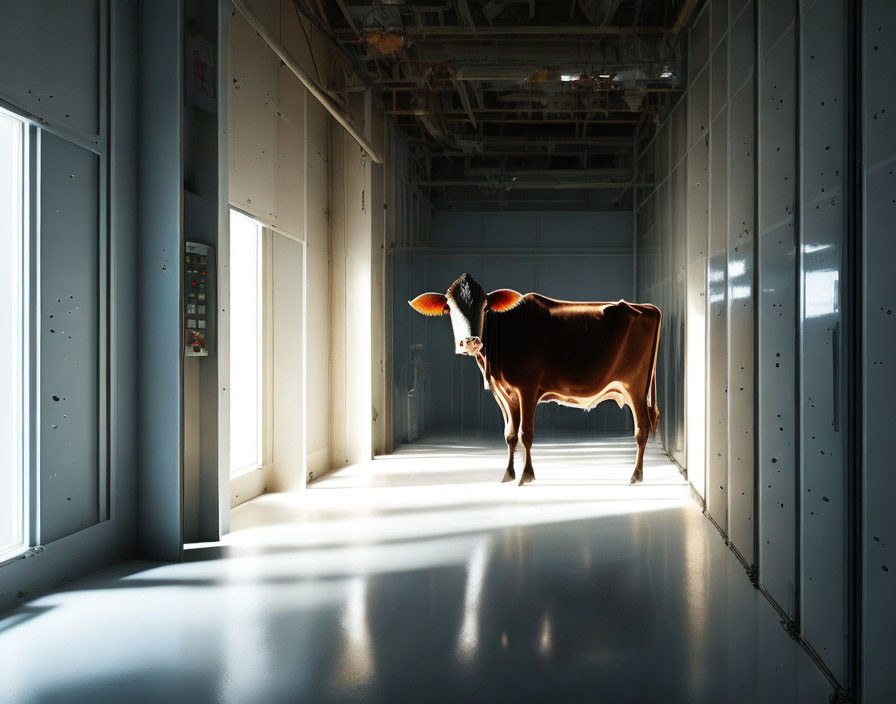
(469, 345)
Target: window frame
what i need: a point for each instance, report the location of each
(24, 495)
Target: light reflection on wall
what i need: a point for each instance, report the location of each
(821, 292)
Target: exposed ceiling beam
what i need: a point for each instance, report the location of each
(521, 185)
(549, 121)
(464, 99)
(454, 32)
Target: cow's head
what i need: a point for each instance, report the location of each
(466, 302)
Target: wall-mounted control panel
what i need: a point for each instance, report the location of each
(198, 298)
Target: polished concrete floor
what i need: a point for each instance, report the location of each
(420, 578)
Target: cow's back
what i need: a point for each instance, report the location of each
(572, 346)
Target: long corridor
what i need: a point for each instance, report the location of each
(420, 577)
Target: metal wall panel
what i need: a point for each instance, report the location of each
(699, 42)
(824, 495)
(878, 576)
(698, 108)
(741, 45)
(697, 246)
(741, 182)
(69, 338)
(719, 20)
(879, 441)
(675, 315)
(717, 326)
(719, 79)
(717, 397)
(776, 364)
(62, 80)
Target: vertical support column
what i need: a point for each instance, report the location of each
(878, 538)
(160, 455)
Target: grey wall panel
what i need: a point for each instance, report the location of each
(698, 201)
(879, 327)
(583, 229)
(777, 106)
(508, 229)
(717, 394)
(695, 330)
(741, 175)
(719, 80)
(675, 315)
(879, 94)
(740, 48)
(823, 127)
(718, 183)
(699, 42)
(719, 9)
(69, 338)
(777, 367)
(717, 326)
(879, 388)
(678, 129)
(661, 148)
(778, 420)
(62, 81)
(774, 19)
(698, 108)
(451, 229)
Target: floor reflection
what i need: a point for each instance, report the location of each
(420, 577)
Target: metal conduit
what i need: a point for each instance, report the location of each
(249, 14)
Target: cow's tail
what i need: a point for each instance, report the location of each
(653, 409)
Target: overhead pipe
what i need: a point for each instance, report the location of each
(274, 43)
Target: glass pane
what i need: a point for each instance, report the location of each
(245, 342)
(11, 237)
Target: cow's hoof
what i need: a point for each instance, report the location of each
(528, 476)
(636, 479)
(509, 476)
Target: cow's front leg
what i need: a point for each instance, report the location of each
(527, 434)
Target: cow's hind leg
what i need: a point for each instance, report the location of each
(511, 435)
(642, 429)
(527, 406)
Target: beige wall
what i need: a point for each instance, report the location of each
(302, 175)
(278, 174)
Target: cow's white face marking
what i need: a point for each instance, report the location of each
(466, 326)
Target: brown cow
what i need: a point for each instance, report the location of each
(532, 349)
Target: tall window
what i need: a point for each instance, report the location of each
(12, 300)
(245, 343)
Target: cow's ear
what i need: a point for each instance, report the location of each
(503, 299)
(430, 304)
